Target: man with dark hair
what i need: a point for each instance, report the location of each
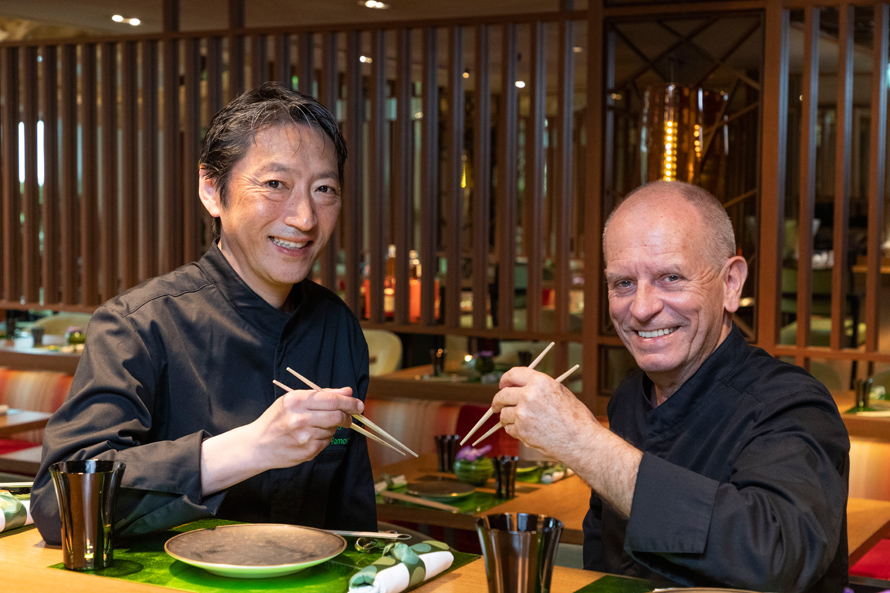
(176, 377)
(721, 466)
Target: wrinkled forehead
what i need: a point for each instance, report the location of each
(659, 223)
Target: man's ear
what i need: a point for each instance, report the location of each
(734, 274)
(209, 195)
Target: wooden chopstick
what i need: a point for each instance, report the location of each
(490, 411)
(494, 428)
(353, 426)
(359, 417)
(420, 501)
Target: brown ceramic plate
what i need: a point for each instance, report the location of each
(255, 551)
(440, 489)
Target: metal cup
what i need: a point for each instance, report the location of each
(505, 475)
(519, 551)
(446, 451)
(86, 491)
(37, 334)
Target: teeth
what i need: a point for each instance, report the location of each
(288, 244)
(657, 333)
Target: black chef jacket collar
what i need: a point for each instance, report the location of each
(248, 304)
(693, 392)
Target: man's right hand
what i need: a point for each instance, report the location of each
(294, 429)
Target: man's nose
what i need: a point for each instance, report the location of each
(301, 211)
(646, 301)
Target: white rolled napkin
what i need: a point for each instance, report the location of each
(402, 567)
(14, 513)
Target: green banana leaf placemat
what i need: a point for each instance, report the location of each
(616, 584)
(144, 560)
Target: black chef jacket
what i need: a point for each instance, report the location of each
(743, 481)
(190, 355)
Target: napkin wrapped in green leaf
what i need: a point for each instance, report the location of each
(402, 567)
(15, 513)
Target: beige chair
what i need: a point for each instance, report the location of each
(59, 324)
(385, 349)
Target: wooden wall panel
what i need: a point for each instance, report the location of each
(89, 194)
(109, 193)
(481, 175)
(9, 125)
(31, 261)
(49, 98)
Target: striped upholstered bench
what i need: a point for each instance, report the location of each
(39, 391)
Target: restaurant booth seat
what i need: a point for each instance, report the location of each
(38, 391)
(870, 478)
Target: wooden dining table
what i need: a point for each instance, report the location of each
(15, 421)
(868, 521)
(25, 562)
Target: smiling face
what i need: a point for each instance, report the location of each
(282, 204)
(671, 305)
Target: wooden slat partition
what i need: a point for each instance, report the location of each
(30, 197)
(402, 205)
(429, 176)
(807, 203)
(50, 210)
(481, 175)
(129, 245)
(877, 175)
(843, 155)
(124, 116)
(9, 119)
(506, 194)
(89, 186)
(454, 197)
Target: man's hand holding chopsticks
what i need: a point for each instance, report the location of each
(541, 412)
(294, 429)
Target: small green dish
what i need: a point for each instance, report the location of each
(474, 472)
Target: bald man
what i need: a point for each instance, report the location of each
(721, 466)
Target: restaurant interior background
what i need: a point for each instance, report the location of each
(487, 143)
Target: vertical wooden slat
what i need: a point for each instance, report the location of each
(454, 143)
(236, 49)
(148, 220)
(806, 211)
(600, 76)
(505, 197)
(876, 177)
(31, 265)
(192, 221)
(68, 233)
(129, 245)
(89, 277)
(377, 174)
(260, 60)
(51, 222)
(843, 152)
(773, 158)
(429, 176)
(214, 75)
(533, 235)
(352, 212)
(282, 59)
(108, 197)
(170, 239)
(306, 67)
(328, 97)
(482, 175)
(563, 186)
(402, 206)
(9, 126)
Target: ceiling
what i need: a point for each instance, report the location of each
(25, 18)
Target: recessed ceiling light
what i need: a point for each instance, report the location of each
(117, 18)
(577, 49)
(130, 21)
(520, 84)
(365, 59)
(372, 4)
(135, 22)
(466, 74)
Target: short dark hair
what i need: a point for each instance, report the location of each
(234, 128)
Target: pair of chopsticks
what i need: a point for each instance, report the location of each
(358, 417)
(490, 411)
